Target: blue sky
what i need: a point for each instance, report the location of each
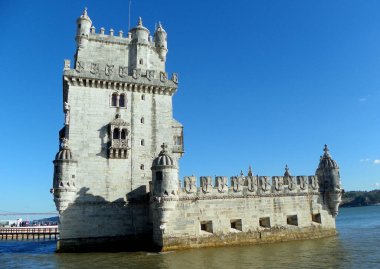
(262, 83)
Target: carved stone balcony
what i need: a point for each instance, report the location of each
(118, 149)
(178, 149)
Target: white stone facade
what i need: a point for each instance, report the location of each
(110, 187)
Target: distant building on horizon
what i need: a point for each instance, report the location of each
(116, 183)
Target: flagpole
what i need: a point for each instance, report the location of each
(129, 15)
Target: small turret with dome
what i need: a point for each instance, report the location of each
(329, 181)
(160, 39)
(165, 186)
(326, 160)
(165, 174)
(140, 34)
(83, 29)
(65, 169)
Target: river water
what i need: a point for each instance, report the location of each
(356, 246)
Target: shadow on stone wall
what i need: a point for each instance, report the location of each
(103, 135)
(91, 223)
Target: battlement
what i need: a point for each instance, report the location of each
(134, 57)
(249, 186)
(114, 37)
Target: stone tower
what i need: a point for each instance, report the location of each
(118, 111)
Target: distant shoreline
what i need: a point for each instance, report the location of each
(360, 198)
(359, 205)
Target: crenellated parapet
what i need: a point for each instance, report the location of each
(222, 186)
(136, 57)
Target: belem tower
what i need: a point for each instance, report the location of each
(116, 183)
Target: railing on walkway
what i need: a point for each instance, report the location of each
(29, 233)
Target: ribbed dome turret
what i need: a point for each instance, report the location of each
(65, 152)
(163, 158)
(327, 161)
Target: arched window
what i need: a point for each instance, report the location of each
(114, 99)
(116, 133)
(142, 143)
(122, 100)
(141, 61)
(142, 120)
(142, 97)
(123, 134)
(142, 167)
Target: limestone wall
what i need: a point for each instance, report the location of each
(216, 213)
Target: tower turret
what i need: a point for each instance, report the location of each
(329, 181)
(160, 39)
(164, 193)
(164, 174)
(83, 29)
(140, 34)
(65, 169)
(140, 49)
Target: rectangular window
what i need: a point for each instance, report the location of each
(316, 218)
(292, 220)
(236, 224)
(206, 226)
(264, 222)
(177, 140)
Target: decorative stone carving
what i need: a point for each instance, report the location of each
(252, 183)
(163, 76)
(64, 143)
(66, 65)
(277, 183)
(119, 139)
(301, 181)
(79, 66)
(175, 78)
(190, 184)
(313, 182)
(136, 73)
(123, 71)
(109, 69)
(264, 183)
(236, 184)
(206, 183)
(290, 183)
(150, 74)
(221, 183)
(66, 110)
(94, 69)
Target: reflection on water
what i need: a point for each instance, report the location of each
(356, 246)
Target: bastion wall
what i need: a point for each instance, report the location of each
(216, 214)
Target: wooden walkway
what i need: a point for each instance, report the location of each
(29, 233)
